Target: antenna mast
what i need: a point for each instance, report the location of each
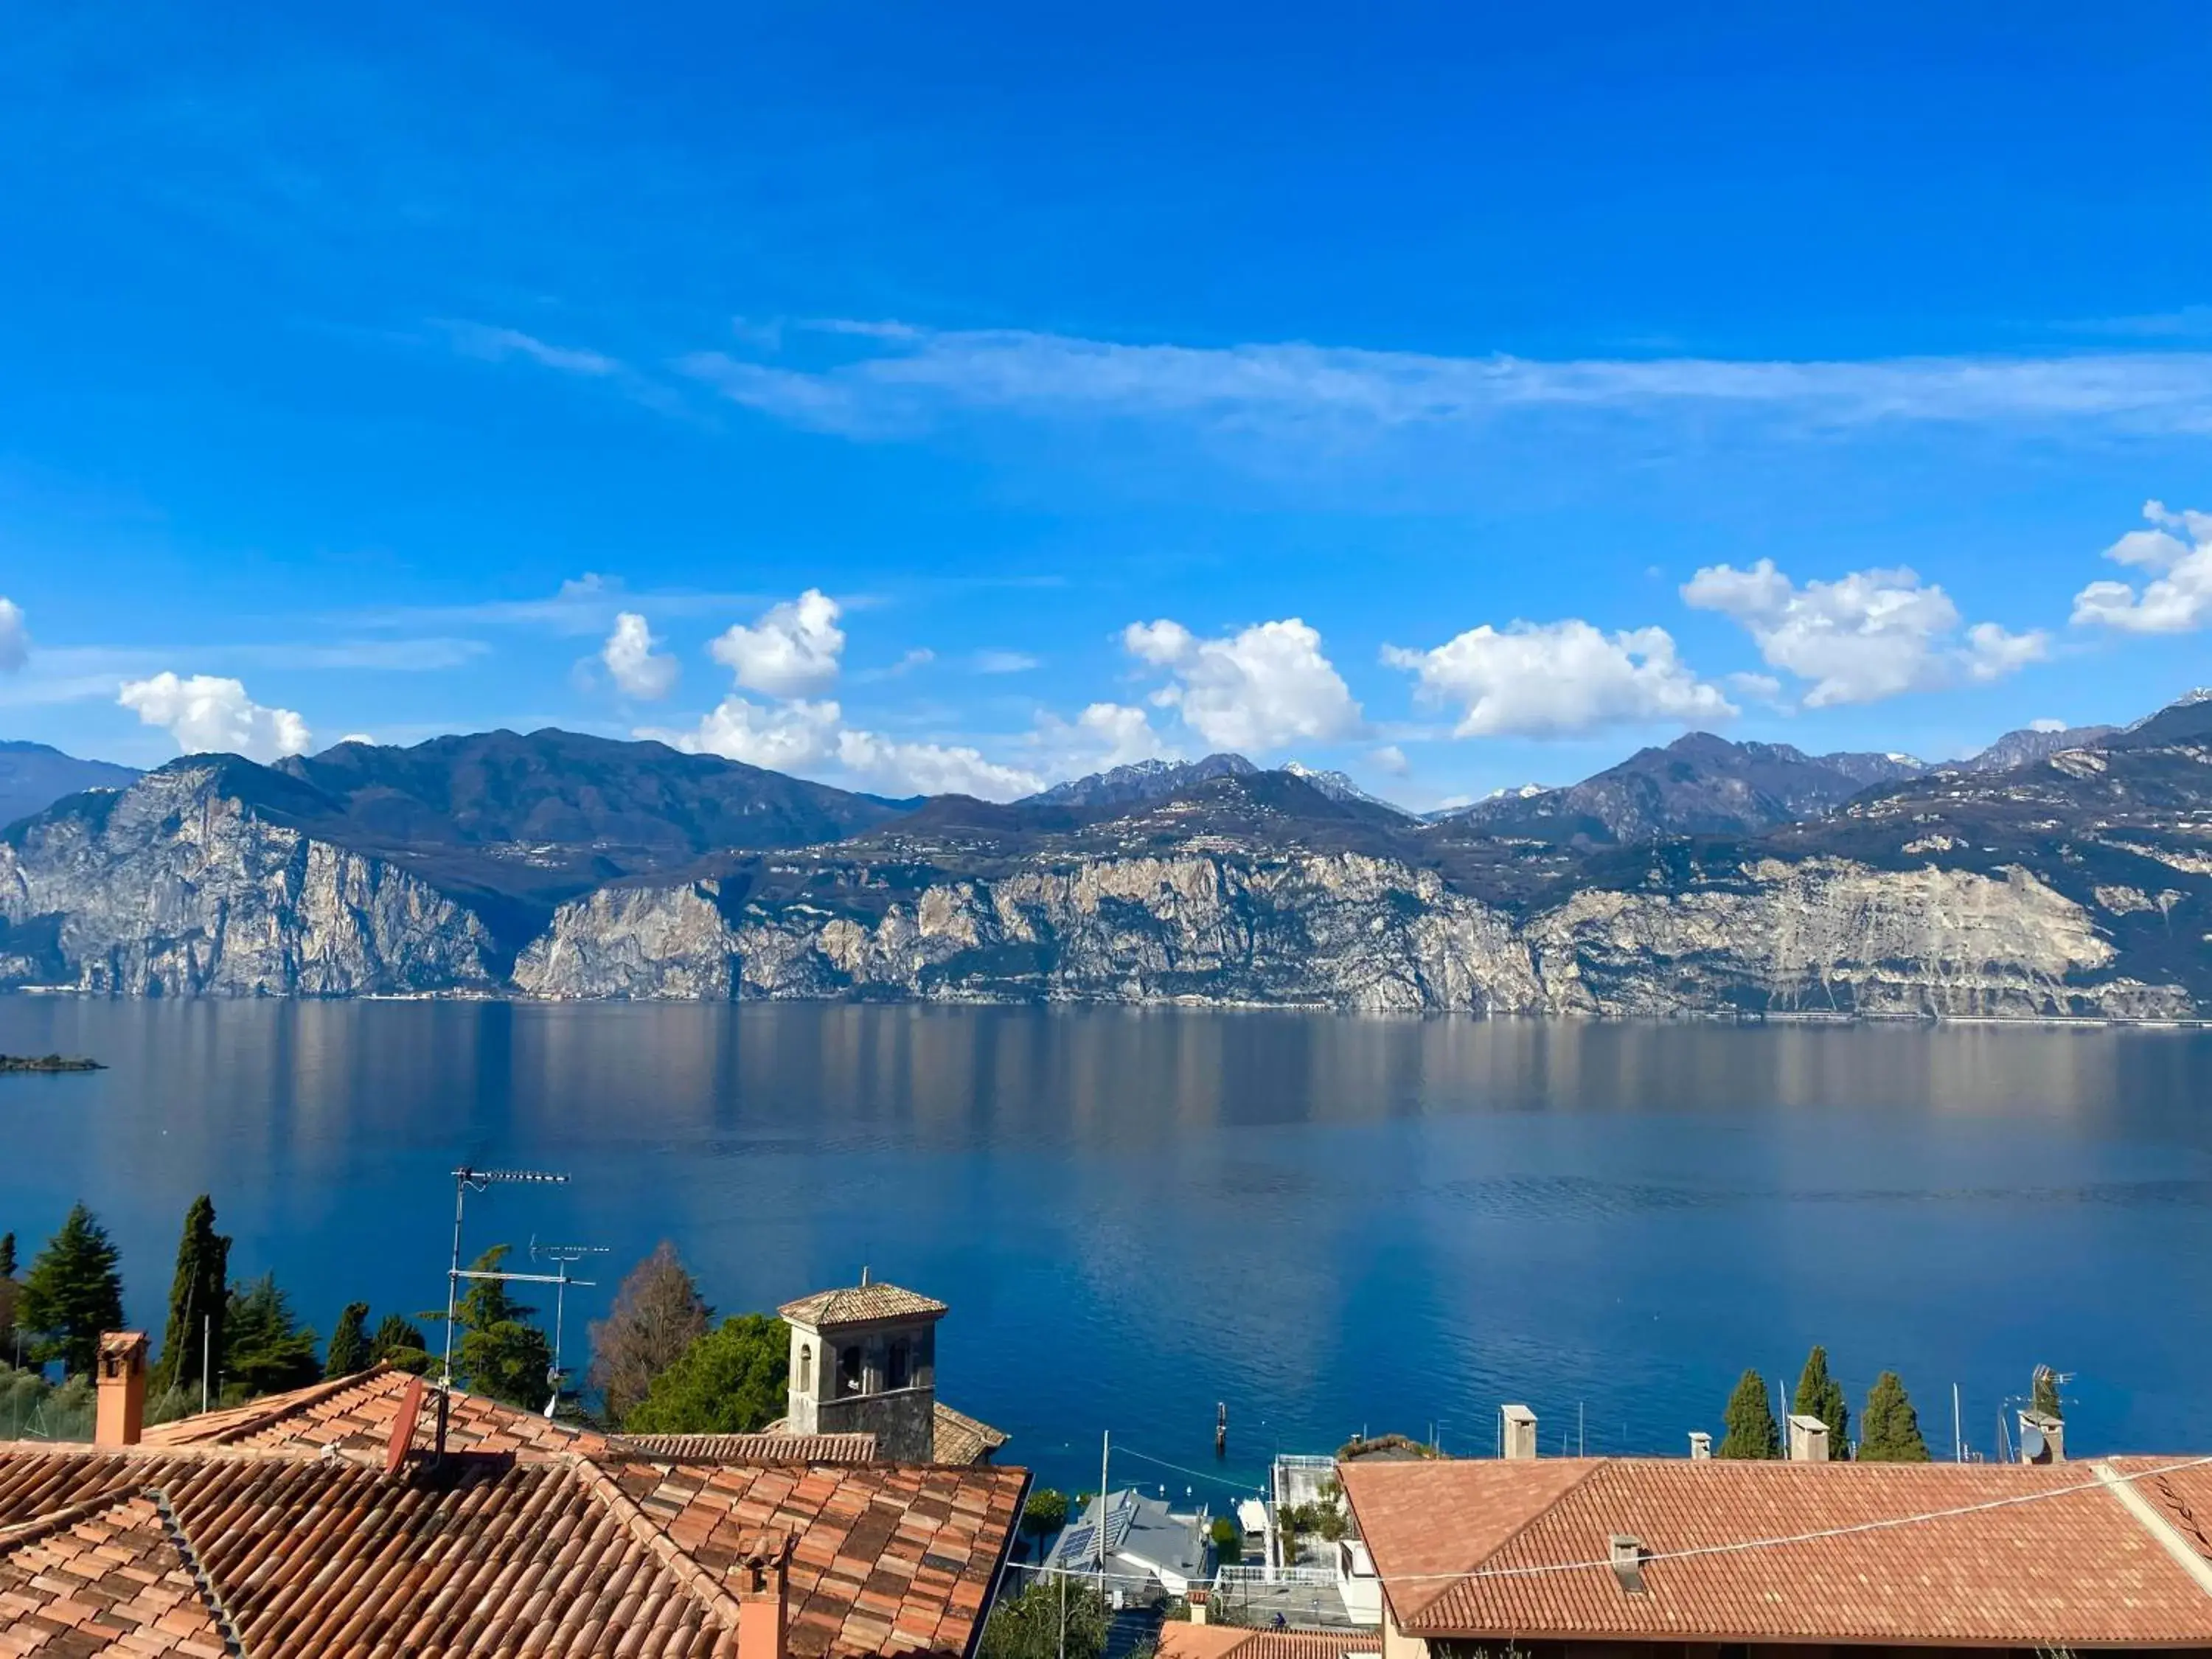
(467, 1180)
(566, 1255)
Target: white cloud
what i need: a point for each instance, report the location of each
(2046, 723)
(15, 638)
(791, 736)
(1869, 634)
(1261, 689)
(1550, 679)
(639, 671)
(811, 738)
(1391, 759)
(2178, 600)
(791, 651)
(207, 714)
(498, 344)
(902, 376)
(1004, 662)
(928, 769)
(1103, 736)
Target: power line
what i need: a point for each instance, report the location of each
(1196, 1474)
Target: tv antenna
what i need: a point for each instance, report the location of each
(565, 1256)
(467, 1180)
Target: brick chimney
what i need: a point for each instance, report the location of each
(1808, 1440)
(1197, 1600)
(119, 1415)
(762, 1572)
(1520, 1433)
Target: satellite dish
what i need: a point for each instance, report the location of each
(2030, 1443)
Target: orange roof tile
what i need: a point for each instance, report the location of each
(858, 1303)
(752, 1447)
(1927, 1554)
(531, 1537)
(957, 1437)
(1183, 1641)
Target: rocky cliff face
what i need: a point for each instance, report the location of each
(1364, 935)
(2078, 885)
(175, 888)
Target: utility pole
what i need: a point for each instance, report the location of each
(467, 1181)
(207, 1355)
(1105, 1451)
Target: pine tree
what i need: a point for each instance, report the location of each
(2045, 1401)
(1819, 1394)
(1889, 1432)
(399, 1341)
(658, 1314)
(264, 1349)
(349, 1349)
(499, 1349)
(734, 1380)
(196, 1294)
(1752, 1432)
(73, 1292)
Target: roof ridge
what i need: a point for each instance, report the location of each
(293, 1402)
(701, 1581)
(1445, 1586)
(234, 1640)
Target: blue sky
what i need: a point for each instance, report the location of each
(965, 397)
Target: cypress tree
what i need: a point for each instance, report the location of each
(1752, 1432)
(2047, 1394)
(1819, 1394)
(1890, 1429)
(73, 1292)
(349, 1349)
(197, 1293)
(6, 1255)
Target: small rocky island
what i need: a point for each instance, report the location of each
(47, 1063)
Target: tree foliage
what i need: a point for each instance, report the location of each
(658, 1314)
(400, 1341)
(2045, 1399)
(733, 1380)
(266, 1350)
(1029, 1625)
(73, 1292)
(1819, 1394)
(1045, 1513)
(6, 1255)
(197, 1293)
(1228, 1539)
(1889, 1429)
(1751, 1431)
(349, 1348)
(498, 1349)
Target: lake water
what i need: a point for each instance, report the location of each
(1331, 1224)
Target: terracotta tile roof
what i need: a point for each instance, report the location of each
(751, 1448)
(532, 1538)
(961, 1439)
(1183, 1641)
(2040, 1556)
(858, 1303)
(105, 1574)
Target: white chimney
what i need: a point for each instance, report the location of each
(2042, 1439)
(1808, 1440)
(1701, 1447)
(1628, 1562)
(1520, 1433)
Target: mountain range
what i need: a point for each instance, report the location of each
(2056, 874)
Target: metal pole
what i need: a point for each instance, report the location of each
(1105, 1450)
(207, 1355)
(454, 1276)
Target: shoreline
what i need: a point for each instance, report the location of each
(1688, 1016)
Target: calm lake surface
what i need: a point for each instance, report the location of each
(1329, 1223)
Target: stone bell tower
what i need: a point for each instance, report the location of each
(864, 1361)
